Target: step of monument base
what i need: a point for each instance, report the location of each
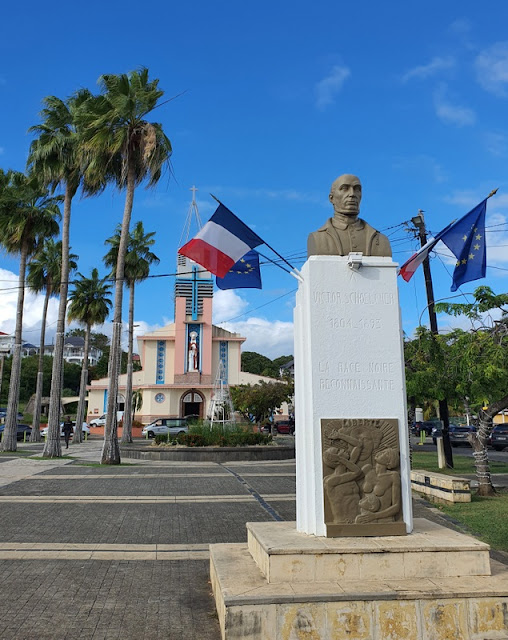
(431, 550)
(251, 608)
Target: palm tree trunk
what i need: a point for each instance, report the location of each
(9, 438)
(127, 415)
(479, 440)
(35, 436)
(53, 447)
(111, 450)
(80, 415)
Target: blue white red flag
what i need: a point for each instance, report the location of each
(222, 241)
(466, 240)
(411, 265)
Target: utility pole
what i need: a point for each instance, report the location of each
(419, 223)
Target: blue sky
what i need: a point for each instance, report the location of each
(278, 99)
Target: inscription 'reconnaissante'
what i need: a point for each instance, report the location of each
(356, 384)
(353, 297)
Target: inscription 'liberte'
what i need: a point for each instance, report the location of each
(353, 297)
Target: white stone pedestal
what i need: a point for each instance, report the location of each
(434, 584)
(348, 364)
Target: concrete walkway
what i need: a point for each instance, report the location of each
(95, 552)
(100, 552)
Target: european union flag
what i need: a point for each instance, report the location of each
(244, 274)
(466, 240)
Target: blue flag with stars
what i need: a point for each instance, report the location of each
(244, 274)
(466, 240)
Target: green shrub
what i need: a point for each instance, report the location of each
(201, 435)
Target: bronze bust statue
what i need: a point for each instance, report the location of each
(346, 232)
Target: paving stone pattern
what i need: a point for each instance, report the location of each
(49, 599)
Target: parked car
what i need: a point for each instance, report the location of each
(101, 421)
(171, 426)
(458, 434)
(499, 437)
(22, 430)
(426, 425)
(282, 426)
(285, 426)
(85, 428)
(3, 413)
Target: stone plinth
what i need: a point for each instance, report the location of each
(396, 588)
(349, 366)
(285, 555)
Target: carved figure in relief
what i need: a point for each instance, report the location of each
(369, 504)
(383, 483)
(193, 358)
(341, 486)
(346, 232)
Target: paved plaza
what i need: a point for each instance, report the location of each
(95, 552)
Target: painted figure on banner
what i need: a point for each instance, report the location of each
(193, 363)
(346, 232)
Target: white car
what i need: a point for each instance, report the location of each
(85, 428)
(171, 426)
(100, 422)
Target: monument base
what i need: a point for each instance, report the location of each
(432, 584)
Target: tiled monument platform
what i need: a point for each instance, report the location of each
(434, 584)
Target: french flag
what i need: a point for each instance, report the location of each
(410, 266)
(221, 242)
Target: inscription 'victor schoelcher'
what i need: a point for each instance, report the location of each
(353, 297)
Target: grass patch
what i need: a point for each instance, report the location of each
(485, 518)
(427, 460)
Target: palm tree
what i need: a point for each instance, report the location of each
(44, 275)
(28, 215)
(138, 260)
(89, 305)
(56, 157)
(115, 127)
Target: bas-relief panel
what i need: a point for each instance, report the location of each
(361, 477)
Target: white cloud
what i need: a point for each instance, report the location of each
(431, 68)
(491, 67)
(32, 310)
(452, 114)
(227, 305)
(327, 88)
(272, 339)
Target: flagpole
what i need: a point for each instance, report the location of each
(294, 271)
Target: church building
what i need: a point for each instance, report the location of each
(183, 361)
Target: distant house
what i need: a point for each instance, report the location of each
(74, 349)
(7, 346)
(287, 369)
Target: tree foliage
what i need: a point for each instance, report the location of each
(259, 364)
(258, 402)
(467, 366)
